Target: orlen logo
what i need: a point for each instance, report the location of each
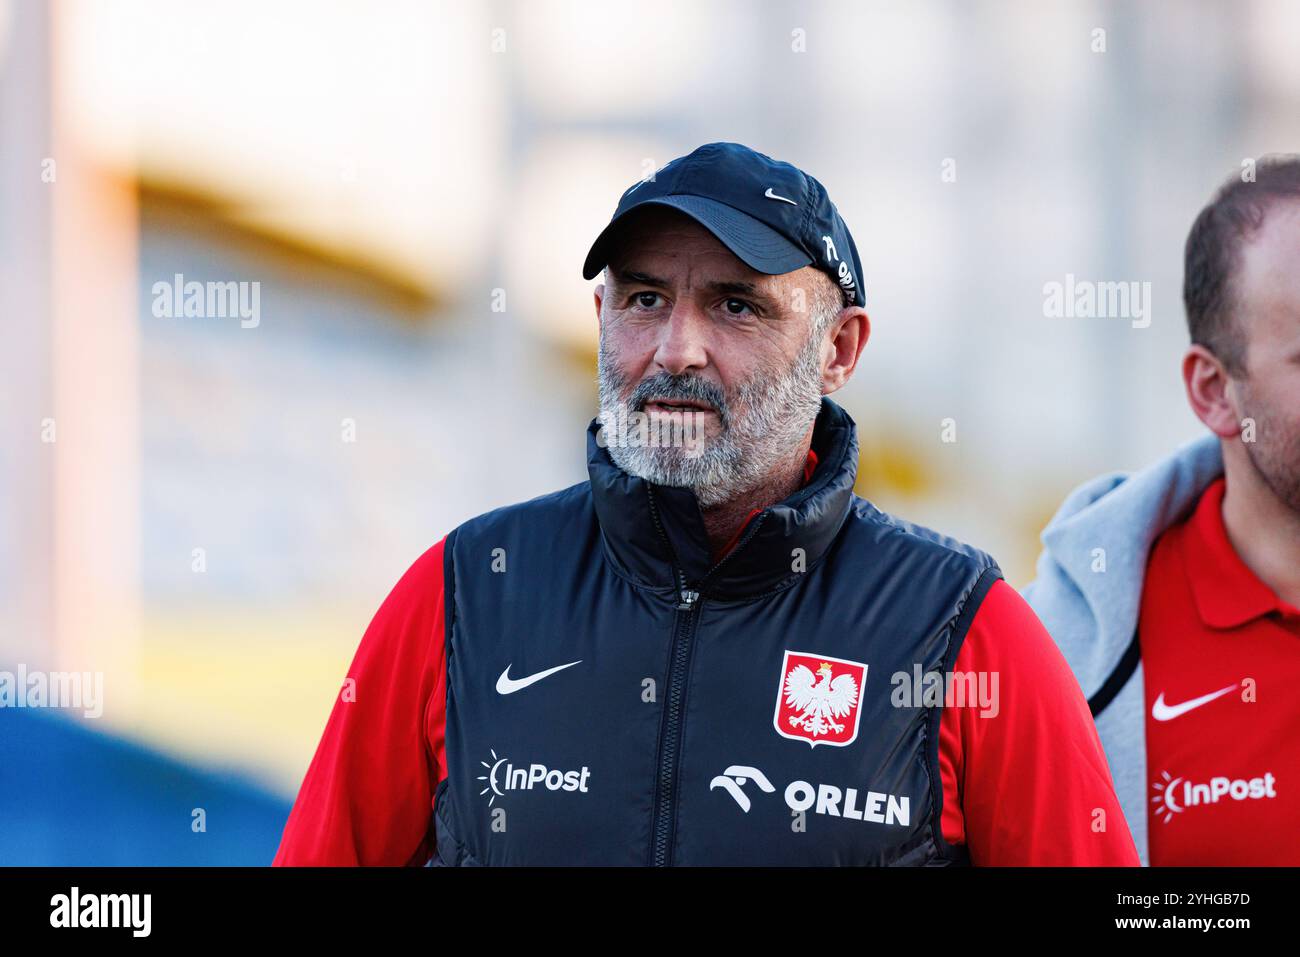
(874, 807)
(735, 778)
(502, 776)
(1176, 795)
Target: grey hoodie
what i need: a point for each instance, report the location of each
(1089, 588)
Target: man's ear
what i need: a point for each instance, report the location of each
(844, 343)
(598, 296)
(1210, 392)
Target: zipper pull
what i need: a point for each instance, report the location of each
(689, 598)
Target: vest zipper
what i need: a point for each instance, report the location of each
(670, 746)
(678, 670)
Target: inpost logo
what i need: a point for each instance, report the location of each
(502, 776)
(1174, 795)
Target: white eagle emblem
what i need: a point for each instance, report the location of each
(819, 706)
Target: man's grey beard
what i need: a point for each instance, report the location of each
(760, 425)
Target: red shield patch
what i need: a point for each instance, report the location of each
(818, 699)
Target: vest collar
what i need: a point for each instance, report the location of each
(655, 533)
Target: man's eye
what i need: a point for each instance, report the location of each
(646, 300)
(737, 307)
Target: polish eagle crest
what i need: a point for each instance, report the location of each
(818, 699)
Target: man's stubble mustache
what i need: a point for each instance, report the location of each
(778, 407)
(661, 463)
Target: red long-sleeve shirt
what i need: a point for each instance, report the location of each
(1027, 785)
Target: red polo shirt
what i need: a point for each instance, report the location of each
(1221, 665)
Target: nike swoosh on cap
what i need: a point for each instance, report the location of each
(1167, 712)
(508, 685)
(771, 195)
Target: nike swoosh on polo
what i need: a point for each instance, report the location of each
(1167, 712)
(508, 685)
(771, 195)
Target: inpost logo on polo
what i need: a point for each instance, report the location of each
(1174, 795)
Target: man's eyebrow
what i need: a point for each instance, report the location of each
(732, 287)
(740, 287)
(749, 290)
(631, 276)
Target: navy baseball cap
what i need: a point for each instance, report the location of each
(773, 216)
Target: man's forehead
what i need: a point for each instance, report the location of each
(1267, 283)
(666, 265)
(1268, 277)
(1275, 246)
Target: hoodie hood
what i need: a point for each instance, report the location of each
(1089, 591)
(1095, 552)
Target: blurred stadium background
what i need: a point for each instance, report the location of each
(201, 529)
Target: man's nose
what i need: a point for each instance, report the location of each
(682, 339)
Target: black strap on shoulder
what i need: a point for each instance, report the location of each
(1118, 678)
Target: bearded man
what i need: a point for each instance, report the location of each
(711, 652)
